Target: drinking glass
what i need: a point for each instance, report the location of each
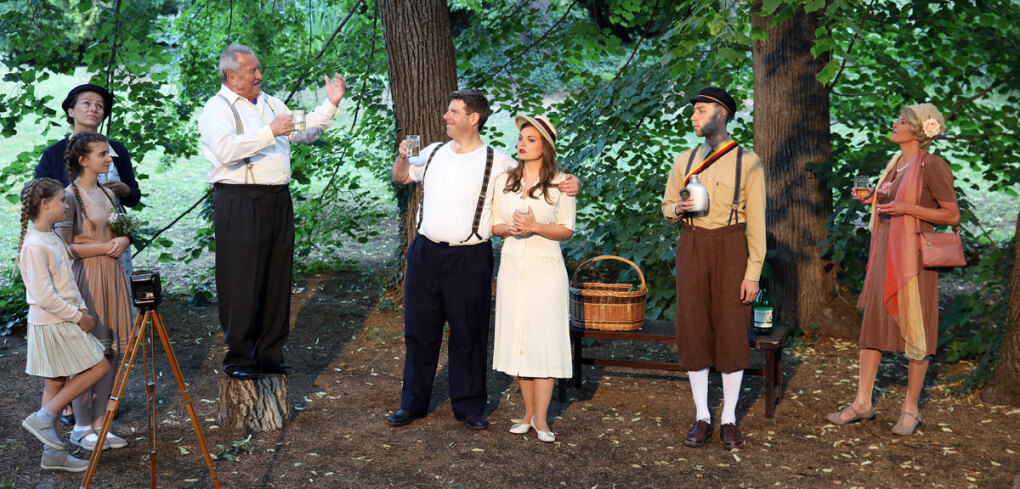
(413, 145)
(862, 186)
(298, 118)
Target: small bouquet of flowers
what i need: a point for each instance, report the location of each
(124, 224)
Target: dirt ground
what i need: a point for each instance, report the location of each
(623, 429)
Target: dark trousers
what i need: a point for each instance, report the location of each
(446, 284)
(254, 253)
(711, 322)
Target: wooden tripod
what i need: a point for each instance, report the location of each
(135, 343)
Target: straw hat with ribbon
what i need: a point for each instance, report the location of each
(544, 127)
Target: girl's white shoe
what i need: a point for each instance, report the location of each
(546, 436)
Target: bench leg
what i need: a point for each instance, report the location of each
(770, 383)
(779, 374)
(575, 339)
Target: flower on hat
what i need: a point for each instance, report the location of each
(931, 127)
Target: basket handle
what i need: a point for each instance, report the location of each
(573, 278)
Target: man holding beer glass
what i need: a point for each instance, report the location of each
(449, 262)
(246, 135)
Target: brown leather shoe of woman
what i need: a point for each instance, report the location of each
(731, 436)
(909, 428)
(838, 419)
(698, 434)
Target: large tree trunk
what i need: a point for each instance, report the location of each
(1005, 385)
(422, 72)
(791, 129)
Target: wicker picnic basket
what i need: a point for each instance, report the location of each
(611, 307)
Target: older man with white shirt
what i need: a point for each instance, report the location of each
(246, 135)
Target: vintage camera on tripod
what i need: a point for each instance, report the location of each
(146, 290)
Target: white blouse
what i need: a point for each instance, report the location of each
(50, 290)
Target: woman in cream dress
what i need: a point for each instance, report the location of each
(532, 328)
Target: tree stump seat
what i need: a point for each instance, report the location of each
(257, 405)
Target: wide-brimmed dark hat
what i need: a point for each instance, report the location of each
(72, 96)
(718, 96)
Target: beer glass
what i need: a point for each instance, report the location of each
(413, 145)
(298, 118)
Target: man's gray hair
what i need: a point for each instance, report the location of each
(228, 59)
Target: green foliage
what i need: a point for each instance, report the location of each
(13, 308)
(233, 449)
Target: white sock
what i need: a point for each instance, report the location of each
(699, 390)
(731, 393)
(79, 429)
(46, 416)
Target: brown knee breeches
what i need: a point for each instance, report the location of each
(711, 322)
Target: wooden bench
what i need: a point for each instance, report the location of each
(665, 332)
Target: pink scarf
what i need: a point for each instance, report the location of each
(901, 293)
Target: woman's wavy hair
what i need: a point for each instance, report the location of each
(915, 116)
(550, 167)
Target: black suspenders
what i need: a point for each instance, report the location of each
(421, 206)
(481, 195)
(489, 155)
(736, 189)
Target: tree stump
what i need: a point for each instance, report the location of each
(257, 405)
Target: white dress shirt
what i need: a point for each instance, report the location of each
(50, 290)
(452, 185)
(270, 156)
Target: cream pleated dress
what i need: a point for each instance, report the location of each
(532, 309)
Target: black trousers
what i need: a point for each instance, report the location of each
(254, 254)
(447, 284)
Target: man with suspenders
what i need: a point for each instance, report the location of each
(449, 262)
(719, 257)
(246, 135)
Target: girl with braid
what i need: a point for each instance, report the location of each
(97, 272)
(59, 345)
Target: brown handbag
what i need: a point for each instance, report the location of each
(938, 250)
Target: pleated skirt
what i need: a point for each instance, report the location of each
(60, 350)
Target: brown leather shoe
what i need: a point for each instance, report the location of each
(731, 436)
(698, 434)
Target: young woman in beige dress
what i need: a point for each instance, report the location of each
(97, 272)
(532, 329)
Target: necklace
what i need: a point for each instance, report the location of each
(101, 203)
(898, 169)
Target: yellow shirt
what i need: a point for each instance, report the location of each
(718, 179)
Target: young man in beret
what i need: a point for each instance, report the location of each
(719, 257)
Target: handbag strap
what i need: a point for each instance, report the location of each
(920, 188)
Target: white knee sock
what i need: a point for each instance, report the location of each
(699, 390)
(731, 393)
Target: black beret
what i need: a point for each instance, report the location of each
(72, 96)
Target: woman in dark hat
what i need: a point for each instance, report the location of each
(532, 330)
(87, 106)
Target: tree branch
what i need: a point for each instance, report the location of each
(329, 41)
(971, 99)
(644, 35)
(980, 136)
(851, 46)
(537, 41)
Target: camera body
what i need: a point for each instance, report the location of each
(146, 289)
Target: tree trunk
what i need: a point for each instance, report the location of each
(256, 405)
(791, 129)
(1004, 387)
(422, 72)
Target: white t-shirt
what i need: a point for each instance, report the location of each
(452, 185)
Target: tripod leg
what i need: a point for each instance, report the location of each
(137, 333)
(185, 396)
(150, 403)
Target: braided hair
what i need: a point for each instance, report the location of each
(32, 196)
(78, 146)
